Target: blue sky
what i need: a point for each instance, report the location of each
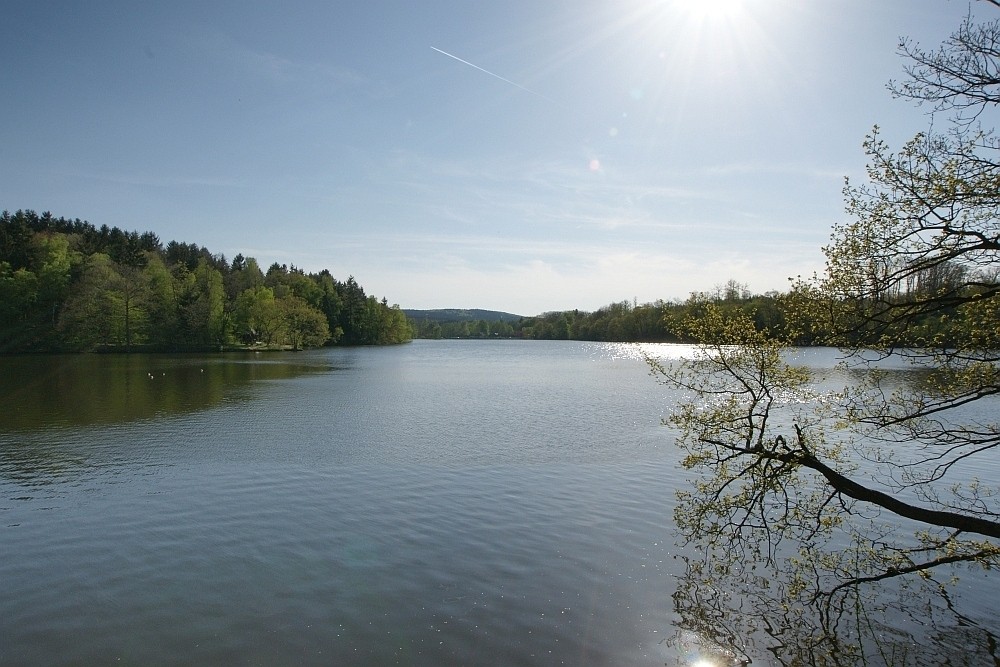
(525, 155)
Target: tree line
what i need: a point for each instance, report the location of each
(67, 285)
(630, 321)
(778, 315)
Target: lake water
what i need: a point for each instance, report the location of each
(442, 502)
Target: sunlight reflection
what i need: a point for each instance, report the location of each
(697, 650)
(642, 351)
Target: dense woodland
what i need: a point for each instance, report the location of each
(623, 321)
(779, 315)
(657, 322)
(66, 285)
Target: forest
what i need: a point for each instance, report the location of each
(778, 315)
(67, 285)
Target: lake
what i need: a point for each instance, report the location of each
(441, 502)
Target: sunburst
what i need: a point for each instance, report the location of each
(711, 10)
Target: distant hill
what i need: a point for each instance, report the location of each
(443, 315)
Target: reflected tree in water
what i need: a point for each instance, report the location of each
(750, 615)
(799, 520)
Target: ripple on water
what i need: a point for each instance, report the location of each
(489, 503)
(418, 564)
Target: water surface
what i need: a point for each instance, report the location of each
(446, 502)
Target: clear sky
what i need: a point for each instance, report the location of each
(516, 155)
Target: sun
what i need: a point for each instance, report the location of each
(711, 10)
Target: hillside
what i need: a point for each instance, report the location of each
(444, 315)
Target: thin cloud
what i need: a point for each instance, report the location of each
(277, 68)
(786, 169)
(156, 180)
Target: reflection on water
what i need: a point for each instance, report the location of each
(82, 390)
(701, 650)
(788, 567)
(734, 611)
(55, 406)
(447, 502)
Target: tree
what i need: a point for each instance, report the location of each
(353, 320)
(202, 304)
(160, 300)
(243, 275)
(94, 314)
(794, 494)
(870, 486)
(54, 261)
(256, 316)
(303, 325)
(330, 303)
(131, 290)
(395, 327)
(18, 294)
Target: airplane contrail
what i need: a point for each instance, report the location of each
(497, 76)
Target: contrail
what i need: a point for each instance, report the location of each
(496, 76)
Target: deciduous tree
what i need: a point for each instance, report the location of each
(875, 485)
(303, 325)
